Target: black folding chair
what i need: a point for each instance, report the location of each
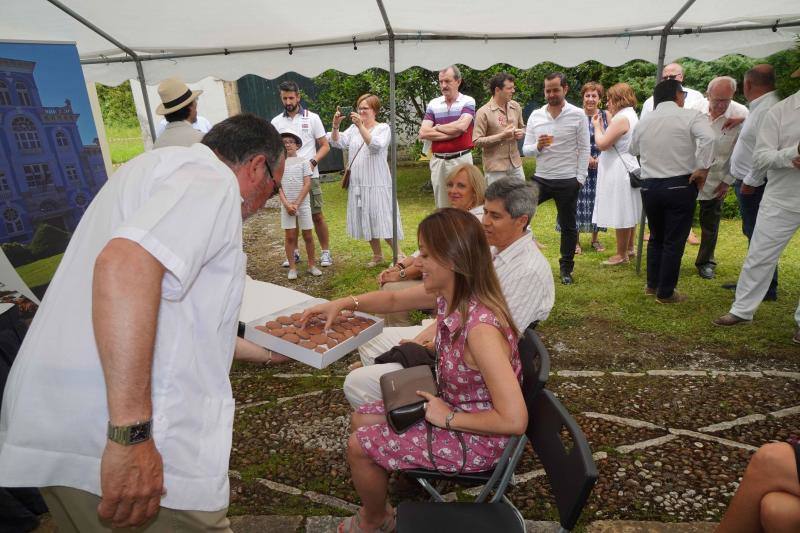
(570, 470)
(535, 370)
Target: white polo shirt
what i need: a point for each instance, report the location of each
(184, 207)
(306, 124)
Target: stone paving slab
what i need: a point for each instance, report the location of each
(271, 523)
(626, 526)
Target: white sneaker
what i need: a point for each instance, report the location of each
(292, 274)
(314, 271)
(325, 259)
(285, 264)
(297, 259)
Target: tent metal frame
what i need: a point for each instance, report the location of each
(391, 37)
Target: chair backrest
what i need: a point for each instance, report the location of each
(572, 472)
(535, 365)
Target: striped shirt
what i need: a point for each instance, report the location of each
(438, 112)
(295, 170)
(526, 281)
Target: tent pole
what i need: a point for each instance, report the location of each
(393, 127)
(662, 54)
(122, 47)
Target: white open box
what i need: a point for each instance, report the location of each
(304, 355)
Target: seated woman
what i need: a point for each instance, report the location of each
(478, 370)
(465, 189)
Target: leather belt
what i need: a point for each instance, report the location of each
(452, 155)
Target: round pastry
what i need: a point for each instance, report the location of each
(357, 329)
(278, 332)
(297, 324)
(272, 324)
(338, 337)
(296, 316)
(314, 330)
(308, 345)
(348, 334)
(284, 320)
(338, 328)
(319, 339)
(332, 342)
(263, 328)
(303, 334)
(291, 337)
(290, 329)
(320, 349)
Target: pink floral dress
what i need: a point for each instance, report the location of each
(459, 386)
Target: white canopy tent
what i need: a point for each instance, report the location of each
(151, 39)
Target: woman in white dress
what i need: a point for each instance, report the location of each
(369, 197)
(617, 205)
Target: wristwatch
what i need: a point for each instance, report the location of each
(313, 162)
(402, 273)
(129, 435)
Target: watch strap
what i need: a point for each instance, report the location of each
(129, 435)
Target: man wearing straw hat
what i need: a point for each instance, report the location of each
(179, 107)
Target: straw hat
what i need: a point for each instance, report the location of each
(174, 95)
(289, 132)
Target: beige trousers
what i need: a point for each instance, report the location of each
(75, 511)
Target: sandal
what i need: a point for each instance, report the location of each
(597, 246)
(616, 262)
(353, 523)
(578, 250)
(376, 260)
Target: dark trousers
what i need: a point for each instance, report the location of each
(710, 215)
(565, 194)
(669, 204)
(748, 209)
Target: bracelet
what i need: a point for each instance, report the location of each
(269, 360)
(449, 419)
(355, 301)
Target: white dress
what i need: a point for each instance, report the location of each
(616, 203)
(369, 198)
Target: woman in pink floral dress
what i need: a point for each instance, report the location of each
(478, 369)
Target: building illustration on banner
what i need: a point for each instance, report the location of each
(47, 175)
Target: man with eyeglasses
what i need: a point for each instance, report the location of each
(721, 110)
(121, 386)
(694, 99)
(676, 146)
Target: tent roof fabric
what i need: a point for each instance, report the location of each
(477, 33)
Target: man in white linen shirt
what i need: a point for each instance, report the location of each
(694, 99)
(315, 147)
(200, 124)
(121, 387)
(524, 274)
(759, 89)
(557, 135)
(676, 146)
(179, 107)
(721, 108)
(778, 152)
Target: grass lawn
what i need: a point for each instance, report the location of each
(606, 301)
(125, 143)
(39, 272)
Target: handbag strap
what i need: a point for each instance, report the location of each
(350, 164)
(622, 159)
(463, 444)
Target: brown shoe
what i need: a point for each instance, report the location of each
(729, 319)
(649, 292)
(676, 298)
(796, 338)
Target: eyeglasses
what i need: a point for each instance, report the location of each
(671, 77)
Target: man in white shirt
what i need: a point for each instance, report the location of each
(201, 124)
(121, 386)
(676, 146)
(524, 274)
(721, 108)
(778, 153)
(315, 147)
(759, 89)
(179, 107)
(694, 99)
(557, 135)
(448, 125)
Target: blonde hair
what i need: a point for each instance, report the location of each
(475, 179)
(455, 237)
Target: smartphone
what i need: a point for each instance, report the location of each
(345, 110)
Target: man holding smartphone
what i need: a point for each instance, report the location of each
(315, 147)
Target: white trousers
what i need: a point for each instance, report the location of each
(440, 168)
(362, 385)
(774, 229)
(512, 172)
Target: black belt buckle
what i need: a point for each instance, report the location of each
(451, 156)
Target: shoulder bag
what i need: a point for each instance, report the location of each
(634, 174)
(346, 175)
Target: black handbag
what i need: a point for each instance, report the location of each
(634, 174)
